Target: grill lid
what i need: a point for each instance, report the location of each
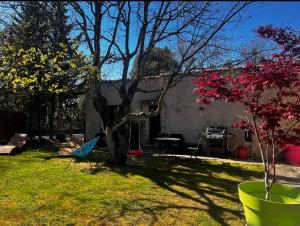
(216, 130)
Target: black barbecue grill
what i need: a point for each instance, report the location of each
(216, 140)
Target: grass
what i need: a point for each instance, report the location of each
(35, 189)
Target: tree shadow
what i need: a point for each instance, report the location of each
(206, 185)
(196, 176)
(152, 211)
(51, 152)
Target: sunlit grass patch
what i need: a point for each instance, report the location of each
(36, 189)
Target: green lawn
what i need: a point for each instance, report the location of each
(35, 189)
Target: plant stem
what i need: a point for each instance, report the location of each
(259, 141)
(268, 188)
(269, 184)
(273, 159)
(266, 165)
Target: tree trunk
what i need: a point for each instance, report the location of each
(118, 145)
(58, 120)
(51, 117)
(30, 127)
(70, 122)
(38, 113)
(116, 139)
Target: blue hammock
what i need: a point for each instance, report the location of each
(84, 150)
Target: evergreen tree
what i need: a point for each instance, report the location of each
(40, 60)
(159, 61)
(60, 33)
(30, 25)
(60, 27)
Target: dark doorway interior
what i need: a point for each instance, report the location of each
(134, 142)
(155, 126)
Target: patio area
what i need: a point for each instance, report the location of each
(285, 173)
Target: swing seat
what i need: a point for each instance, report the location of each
(135, 152)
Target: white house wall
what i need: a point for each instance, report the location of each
(92, 118)
(180, 112)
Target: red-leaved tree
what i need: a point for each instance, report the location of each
(270, 93)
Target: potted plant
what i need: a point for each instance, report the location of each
(270, 93)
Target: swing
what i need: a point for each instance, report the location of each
(135, 152)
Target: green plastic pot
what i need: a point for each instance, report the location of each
(283, 209)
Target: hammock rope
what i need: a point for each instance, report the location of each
(138, 151)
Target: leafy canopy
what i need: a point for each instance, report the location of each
(36, 70)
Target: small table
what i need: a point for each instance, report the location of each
(167, 141)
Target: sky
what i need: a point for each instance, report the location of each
(279, 14)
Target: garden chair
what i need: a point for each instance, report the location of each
(15, 143)
(179, 147)
(194, 150)
(66, 149)
(160, 145)
(84, 151)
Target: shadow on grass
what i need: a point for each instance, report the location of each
(153, 211)
(189, 174)
(214, 183)
(50, 152)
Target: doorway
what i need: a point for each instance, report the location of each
(154, 125)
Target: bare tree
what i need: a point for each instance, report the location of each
(117, 32)
(256, 50)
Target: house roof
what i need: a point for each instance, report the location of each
(190, 74)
